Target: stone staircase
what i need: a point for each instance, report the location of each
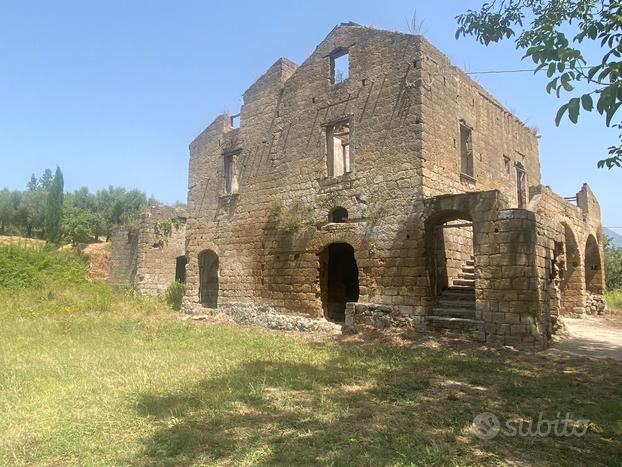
(455, 307)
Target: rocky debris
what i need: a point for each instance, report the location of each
(262, 315)
(595, 304)
(376, 316)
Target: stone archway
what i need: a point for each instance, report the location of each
(571, 275)
(208, 278)
(339, 280)
(593, 267)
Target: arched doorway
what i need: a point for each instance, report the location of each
(339, 280)
(571, 282)
(593, 270)
(208, 278)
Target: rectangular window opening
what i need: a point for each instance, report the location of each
(235, 121)
(231, 180)
(466, 151)
(521, 186)
(339, 66)
(338, 148)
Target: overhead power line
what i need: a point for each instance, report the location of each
(525, 70)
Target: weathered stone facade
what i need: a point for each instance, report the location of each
(348, 188)
(152, 255)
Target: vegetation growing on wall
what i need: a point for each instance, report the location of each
(293, 218)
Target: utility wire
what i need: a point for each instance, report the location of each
(525, 70)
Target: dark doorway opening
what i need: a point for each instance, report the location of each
(339, 280)
(208, 279)
(180, 269)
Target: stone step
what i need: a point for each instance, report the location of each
(470, 262)
(451, 302)
(459, 293)
(468, 269)
(464, 282)
(466, 275)
(455, 324)
(448, 312)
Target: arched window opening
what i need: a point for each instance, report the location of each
(593, 271)
(338, 215)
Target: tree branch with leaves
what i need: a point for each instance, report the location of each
(555, 34)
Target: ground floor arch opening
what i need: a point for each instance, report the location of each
(571, 280)
(339, 280)
(208, 278)
(593, 268)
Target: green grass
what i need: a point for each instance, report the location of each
(614, 300)
(91, 375)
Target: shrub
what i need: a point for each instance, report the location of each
(23, 267)
(174, 295)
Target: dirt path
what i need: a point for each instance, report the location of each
(597, 337)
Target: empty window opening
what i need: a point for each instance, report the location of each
(454, 266)
(180, 269)
(507, 166)
(593, 271)
(208, 278)
(466, 150)
(231, 179)
(338, 215)
(339, 280)
(235, 121)
(339, 66)
(338, 148)
(521, 185)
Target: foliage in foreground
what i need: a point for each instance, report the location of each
(174, 294)
(557, 35)
(614, 300)
(37, 267)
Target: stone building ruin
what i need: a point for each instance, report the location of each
(151, 255)
(378, 185)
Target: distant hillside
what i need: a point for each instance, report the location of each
(617, 238)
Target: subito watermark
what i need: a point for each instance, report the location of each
(487, 426)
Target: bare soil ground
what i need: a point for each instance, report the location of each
(595, 337)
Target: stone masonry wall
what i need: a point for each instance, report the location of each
(161, 240)
(124, 253)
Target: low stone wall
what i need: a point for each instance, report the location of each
(595, 304)
(365, 315)
(261, 315)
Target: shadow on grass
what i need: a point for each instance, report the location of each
(372, 405)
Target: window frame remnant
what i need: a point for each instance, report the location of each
(230, 171)
(339, 66)
(507, 165)
(338, 147)
(467, 155)
(521, 185)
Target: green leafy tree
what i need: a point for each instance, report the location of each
(54, 208)
(45, 181)
(7, 210)
(557, 35)
(33, 183)
(78, 225)
(613, 264)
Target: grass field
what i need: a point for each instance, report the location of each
(614, 300)
(91, 375)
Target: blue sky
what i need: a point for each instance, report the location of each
(114, 92)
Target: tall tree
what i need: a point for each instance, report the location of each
(557, 35)
(54, 208)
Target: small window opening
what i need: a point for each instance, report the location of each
(506, 165)
(466, 150)
(235, 121)
(339, 66)
(180, 269)
(231, 179)
(339, 215)
(338, 148)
